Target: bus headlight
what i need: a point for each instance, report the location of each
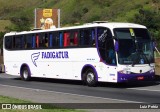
(125, 72)
(152, 71)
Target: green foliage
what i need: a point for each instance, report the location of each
(19, 24)
(1, 38)
(150, 19)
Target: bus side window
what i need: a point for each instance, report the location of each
(85, 37)
(106, 46)
(37, 41)
(50, 39)
(41, 43)
(54, 39)
(43, 40)
(75, 39)
(28, 39)
(46, 38)
(60, 39)
(23, 41)
(33, 41)
(8, 42)
(93, 37)
(111, 57)
(81, 37)
(17, 42)
(101, 42)
(66, 39)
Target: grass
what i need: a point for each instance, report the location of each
(3, 24)
(4, 99)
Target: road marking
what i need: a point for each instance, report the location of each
(141, 89)
(126, 101)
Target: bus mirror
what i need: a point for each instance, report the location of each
(154, 45)
(116, 47)
(115, 38)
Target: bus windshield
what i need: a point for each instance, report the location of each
(135, 46)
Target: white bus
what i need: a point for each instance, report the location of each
(96, 52)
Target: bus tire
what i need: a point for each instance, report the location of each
(90, 78)
(25, 74)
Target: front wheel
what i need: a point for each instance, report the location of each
(90, 78)
(25, 74)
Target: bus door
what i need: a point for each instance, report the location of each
(107, 53)
(110, 59)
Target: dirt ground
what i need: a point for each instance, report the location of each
(157, 60)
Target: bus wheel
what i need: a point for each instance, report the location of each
(90, 78)
(25, 74)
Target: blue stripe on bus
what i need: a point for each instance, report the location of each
(61, 39)
(33, 41)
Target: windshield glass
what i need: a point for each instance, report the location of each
(135, 46)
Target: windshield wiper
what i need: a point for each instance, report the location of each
(140, 53)
(146, 58)
(135, 59)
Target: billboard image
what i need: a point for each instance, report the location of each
(47, 18)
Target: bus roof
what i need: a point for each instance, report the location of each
(110, 25)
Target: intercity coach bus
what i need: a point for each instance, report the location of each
(94, 52)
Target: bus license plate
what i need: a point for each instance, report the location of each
(140, 78)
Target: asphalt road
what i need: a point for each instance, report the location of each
(71, 92)
(141, 92)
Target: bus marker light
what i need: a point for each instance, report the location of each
(123, 78)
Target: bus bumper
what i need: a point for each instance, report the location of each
(135, 77)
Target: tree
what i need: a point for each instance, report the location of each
(150, 19)
(21, 23)
(1, 39)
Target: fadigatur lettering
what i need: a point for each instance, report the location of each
(52, 55)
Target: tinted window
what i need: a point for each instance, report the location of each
(42, 40)
(54, 39)
(8, 42)
(106, 45)
(129, 33)
(87, 37)
(28, 41)
(74, 38)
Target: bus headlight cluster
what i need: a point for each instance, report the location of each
(152, 71)
(125, 72)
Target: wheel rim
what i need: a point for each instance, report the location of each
(90, 77)
(25, 74)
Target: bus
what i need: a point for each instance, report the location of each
(93, 52)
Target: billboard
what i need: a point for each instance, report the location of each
(47, 18)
